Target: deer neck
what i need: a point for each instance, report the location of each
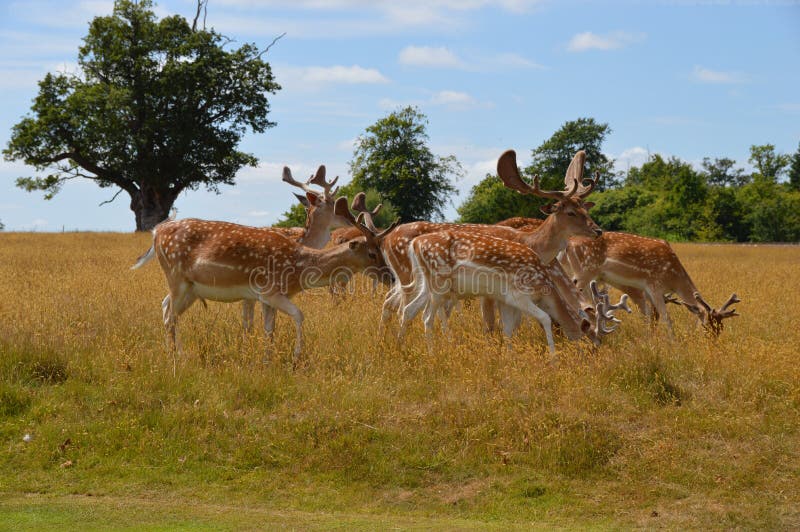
(316, 236)
(316, 266)
(547, 241)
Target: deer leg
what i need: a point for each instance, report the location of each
(390, 305)
(285, 305)
(248, 315)
(269, 321)
(510, 317)
(547, 325)
(487, 311)
(179, 299)
(656, 297)
(411, 310)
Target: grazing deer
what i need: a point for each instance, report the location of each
(320, 219)
(223, 261)
(450, 265)
(648, 269)
(520, 222)
(567, 217)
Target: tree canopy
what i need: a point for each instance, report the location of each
(393, 158)
(157, 107)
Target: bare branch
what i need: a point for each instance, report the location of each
(276, 39)
(112, 199)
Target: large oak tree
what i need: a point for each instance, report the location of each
(157, 107)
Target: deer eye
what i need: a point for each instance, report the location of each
(571, 214)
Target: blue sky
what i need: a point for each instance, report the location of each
(691, 79)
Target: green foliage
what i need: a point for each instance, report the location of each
(721, 172)
(490, 201)
(769, 165)
(294, 217)
(393, 158)
(156, 108)
(794, 171)
(771, 213)
(551, 159)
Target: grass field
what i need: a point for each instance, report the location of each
(648, 431)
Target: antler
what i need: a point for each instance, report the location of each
(317, 179)
(360, 206)
(585, 190)
(604, 310)
(508, 172)
(374, 237)
(713, 318)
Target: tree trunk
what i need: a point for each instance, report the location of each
(151, 206)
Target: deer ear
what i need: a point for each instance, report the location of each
(588, 205)
(550, 208)
(313, 199)
(302, 200)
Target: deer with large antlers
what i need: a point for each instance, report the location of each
(320, 219)
(221, 261)
(567, 217)
(648, 270)
(456, 264)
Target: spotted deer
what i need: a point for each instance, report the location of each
(226, 262)
(649, 271)
(566, 217)
(320, 219)
(450, 265)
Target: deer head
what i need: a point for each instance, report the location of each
(569, 212)
(320, 205)
(712, 318)
(374, 238)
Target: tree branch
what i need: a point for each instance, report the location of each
(276, 39)
(112, 199)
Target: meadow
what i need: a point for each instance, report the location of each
(646, 431)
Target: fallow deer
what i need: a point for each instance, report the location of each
(320, 219)
(567, 217)
(450, 265)
(221, 261)
(648, 270)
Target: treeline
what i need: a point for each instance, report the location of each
(665, 197)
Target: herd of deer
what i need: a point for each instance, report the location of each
(547, 269)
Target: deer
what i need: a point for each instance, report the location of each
(222, 261)
(456, 264)
(566, 217)
(320, 219)
(649, 271)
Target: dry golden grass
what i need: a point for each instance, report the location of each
(647, 431)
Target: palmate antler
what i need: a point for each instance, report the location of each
(604, 310)
(713, 317)
(359, 205)
(316, 179)
(508, 172)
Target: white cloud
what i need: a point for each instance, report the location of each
(453, 99)
(449, 99)
(706, 75)
(631, 157)
(442, 57)
(512, 60)
(318, 76)
(582, 42)
(429, 56)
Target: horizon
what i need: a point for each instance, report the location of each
(684, 79)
